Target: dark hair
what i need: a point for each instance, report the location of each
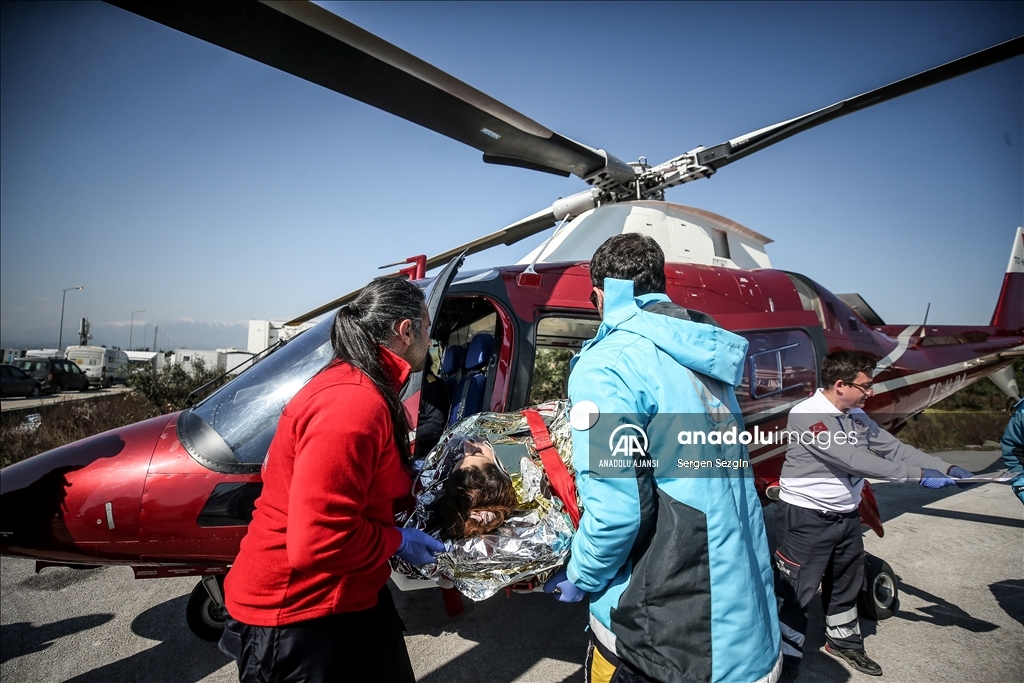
(367, 323)
(630, 256)
(845, 366)
(482, 488)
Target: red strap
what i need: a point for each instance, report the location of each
(562, 483)
(452, 602)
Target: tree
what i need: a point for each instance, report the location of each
(170, 388)
(550, 375)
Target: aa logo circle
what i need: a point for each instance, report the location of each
(628, 441)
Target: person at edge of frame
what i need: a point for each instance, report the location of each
(1013, 448)
(817, 523)
(307, 595)
(677, 569)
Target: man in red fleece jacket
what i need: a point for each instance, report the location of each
(307, 594)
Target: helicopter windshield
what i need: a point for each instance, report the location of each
(232, 429)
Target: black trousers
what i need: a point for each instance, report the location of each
(352, 646)
(818, 548)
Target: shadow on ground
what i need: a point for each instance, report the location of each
(178, 657)
(941, 612)
(1010, 596)
(22, 638)
(512, 634)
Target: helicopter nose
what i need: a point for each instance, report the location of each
(77, 498)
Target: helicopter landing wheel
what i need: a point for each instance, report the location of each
(879, 597)
(205, 614)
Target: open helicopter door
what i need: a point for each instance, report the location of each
(434, 296)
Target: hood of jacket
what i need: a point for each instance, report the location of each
(706, 349)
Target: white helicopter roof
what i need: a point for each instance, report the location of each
(686, 235)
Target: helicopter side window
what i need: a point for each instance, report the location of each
(780, 370)
(558, 340)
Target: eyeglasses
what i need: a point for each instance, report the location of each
(870, 386)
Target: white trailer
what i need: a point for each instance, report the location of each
(187, 358)
(99, 363)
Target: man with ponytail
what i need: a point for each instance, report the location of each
(307, 595)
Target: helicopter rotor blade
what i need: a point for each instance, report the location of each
(703, 162)
(510, 234)
(312, 43)
(740, 147)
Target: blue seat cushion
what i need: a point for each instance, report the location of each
(479, 351)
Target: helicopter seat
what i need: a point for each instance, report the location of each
(468, 398)
(451, 367)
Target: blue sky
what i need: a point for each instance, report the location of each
(165, 174)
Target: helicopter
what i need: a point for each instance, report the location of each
(171, 496)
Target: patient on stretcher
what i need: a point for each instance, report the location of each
(483, 491)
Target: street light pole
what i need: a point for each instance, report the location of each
(131, 328)
(60, 335)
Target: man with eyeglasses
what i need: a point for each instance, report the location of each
(832, 446)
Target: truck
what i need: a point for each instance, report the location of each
(99, 363)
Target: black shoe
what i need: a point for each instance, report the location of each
(858, 659)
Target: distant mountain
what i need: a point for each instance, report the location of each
(171, 335)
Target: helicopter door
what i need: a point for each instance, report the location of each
(434, 295)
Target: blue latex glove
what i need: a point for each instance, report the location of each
(1018, 488)
(418, 548)
(958, 472)
(568, 592)
(933, 479)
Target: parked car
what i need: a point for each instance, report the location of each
(14, 382)
(54, 374)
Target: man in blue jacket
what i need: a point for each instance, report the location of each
(1013, 449)
(674, 559)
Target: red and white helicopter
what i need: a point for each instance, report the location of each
(172, 496)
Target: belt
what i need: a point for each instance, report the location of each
(833, 516)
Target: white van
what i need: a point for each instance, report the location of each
(100, 364)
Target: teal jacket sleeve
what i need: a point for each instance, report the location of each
(611, 508)
(1013, 442)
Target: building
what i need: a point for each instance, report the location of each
(187, 359)
(154, 359)
(265, 333)
(236, 361)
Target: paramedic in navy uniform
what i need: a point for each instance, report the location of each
(816, 520)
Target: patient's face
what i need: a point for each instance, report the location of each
(476, 453)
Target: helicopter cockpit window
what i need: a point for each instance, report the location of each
(810, 300)
(558, 340)
(780, 369)
(231, 430)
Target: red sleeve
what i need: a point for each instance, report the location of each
(340, 438)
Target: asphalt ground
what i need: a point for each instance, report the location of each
(18, 403)
(959, 556)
